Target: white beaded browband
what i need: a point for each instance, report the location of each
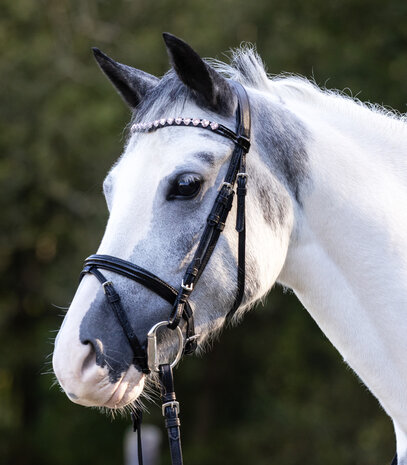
(191, 122)
(160, 123)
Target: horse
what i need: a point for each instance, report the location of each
(325, 217)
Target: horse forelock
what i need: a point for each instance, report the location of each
(170, 94)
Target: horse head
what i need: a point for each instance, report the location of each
(159, 195)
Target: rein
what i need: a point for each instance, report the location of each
(145, 354)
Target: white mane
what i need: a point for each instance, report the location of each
(248, 68)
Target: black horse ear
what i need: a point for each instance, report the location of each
(209, 87)
(132, 84)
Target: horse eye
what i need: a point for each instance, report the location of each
(185, 187)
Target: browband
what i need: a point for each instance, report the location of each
(193, 123)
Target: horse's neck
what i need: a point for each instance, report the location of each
(347, 262)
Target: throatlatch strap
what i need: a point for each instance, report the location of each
(394, 461)
(244, 131)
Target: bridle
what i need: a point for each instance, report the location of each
(145, 354)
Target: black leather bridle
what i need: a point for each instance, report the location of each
(145, 352)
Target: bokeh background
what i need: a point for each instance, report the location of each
(272, 390)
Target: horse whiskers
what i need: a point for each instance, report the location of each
(60, 308)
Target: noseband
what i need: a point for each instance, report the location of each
(145, 356)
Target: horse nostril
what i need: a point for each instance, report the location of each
(94, 348)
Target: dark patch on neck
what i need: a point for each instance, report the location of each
(273, 199)
(280, 138)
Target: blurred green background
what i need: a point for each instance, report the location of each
(273, 390)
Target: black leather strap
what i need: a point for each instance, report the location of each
(134, 272)
(170, 408)
(137, 419)
(245, 131)
(113, 298)
(219, 213)
(394, 461)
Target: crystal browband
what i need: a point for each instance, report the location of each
(160, 123)
(192, 122)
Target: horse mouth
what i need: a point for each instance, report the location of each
(128, 389)
(97, 391)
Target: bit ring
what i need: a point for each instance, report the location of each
(152, 359)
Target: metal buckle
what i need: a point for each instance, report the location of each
(106, 283)
(173, 404)
(152, 359)
(226, 184)
(242, 175)
(187, 287)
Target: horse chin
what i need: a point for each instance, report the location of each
(127, 390)
(102, 393)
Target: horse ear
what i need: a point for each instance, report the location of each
(209, 87)
(132, 84)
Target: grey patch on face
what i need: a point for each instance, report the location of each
(184, 221)
(281, 139)
(100, 328)
(71, 395)
(206, 157)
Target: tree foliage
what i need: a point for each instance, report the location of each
(273, 389)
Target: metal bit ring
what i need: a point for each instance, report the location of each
(152, 360)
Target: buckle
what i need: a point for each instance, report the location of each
(191, 344)
(173, 404)
(106, 283)
(242, 175)
(226, 184)
(187, 287)
(241, 183)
